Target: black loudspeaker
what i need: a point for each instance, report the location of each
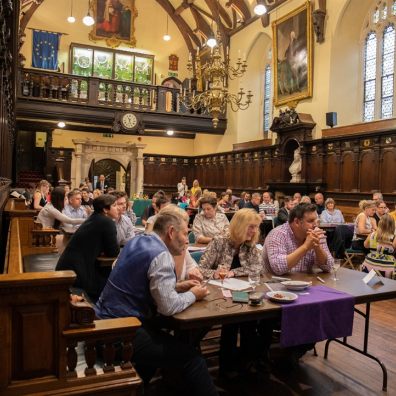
(331, 119)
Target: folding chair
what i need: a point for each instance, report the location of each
(350, 254)
(191, 237)
(197, 255)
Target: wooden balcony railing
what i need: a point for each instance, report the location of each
(99, 92)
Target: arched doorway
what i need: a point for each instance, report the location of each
(114, 172)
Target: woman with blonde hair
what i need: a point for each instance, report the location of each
(237, 254)
(365, 224)
(382, 245)
(195, 187)
(41, 195)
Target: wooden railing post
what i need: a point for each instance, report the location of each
(93, 91)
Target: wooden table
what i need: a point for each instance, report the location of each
(215, 310)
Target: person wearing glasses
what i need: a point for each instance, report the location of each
(380, 210)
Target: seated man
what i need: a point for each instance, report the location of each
(142, 283)
(74, 209)
(125, 229)
(319, 201)
(86, 199)
(297, 245)
(283, 214)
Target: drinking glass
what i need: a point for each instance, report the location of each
(336, 266)
(222, 273)
(254, 279)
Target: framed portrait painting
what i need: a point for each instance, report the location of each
(292, 54)
(114, 22)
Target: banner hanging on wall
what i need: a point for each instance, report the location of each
(45, 49)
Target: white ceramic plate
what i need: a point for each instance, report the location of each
(296, 285)
(282, 296)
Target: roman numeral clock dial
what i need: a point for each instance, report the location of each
(129, 121)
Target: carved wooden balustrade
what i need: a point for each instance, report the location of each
(94, 91)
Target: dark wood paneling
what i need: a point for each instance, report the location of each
(347, 172)
(368, 171)
(388, 179)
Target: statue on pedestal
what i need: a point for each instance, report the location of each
(295, 167)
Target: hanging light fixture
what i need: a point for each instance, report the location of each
(260, 9)
(167, 36)
(71, 18)
(211, 42)
(88, 20)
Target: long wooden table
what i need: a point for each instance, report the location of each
(215, 309)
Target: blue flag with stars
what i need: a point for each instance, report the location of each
(45, 49)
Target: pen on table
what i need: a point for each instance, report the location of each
(320, 279)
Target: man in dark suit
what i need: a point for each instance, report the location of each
(102, 184)
(283, 214)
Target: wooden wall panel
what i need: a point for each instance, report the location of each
(387, 171)
(332, 171)
(367, 170)
(348, 181)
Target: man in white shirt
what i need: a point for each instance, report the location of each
(182, 188)
(74, 209)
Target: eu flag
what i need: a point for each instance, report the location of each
(45, 49)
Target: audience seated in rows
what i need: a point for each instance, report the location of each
(364, 225)
(297, 245)
(95, 237)
(124, 226)
(331, 214)
(209, 223)
(142, 283)
(51, 215)
(382, 245)
(268, 208)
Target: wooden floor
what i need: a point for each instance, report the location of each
(344, 373)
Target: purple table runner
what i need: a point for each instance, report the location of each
(322, 314)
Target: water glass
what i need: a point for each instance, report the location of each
(254, 279)
(336, 266)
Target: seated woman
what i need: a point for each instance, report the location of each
(160, 203)
(97, 236)
(51, 215)
(382, 245)
(330, 214)
(237, 252)
(364, 224)
(224, 202)
(209, 222)
(40, 195)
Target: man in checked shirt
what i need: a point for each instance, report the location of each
(297, 245)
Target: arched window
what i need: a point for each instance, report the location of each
(379, 61)
(267, 98)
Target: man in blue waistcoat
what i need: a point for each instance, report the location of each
(142, 284)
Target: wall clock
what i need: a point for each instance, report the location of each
(129, 121)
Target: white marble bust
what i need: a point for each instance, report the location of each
(295, 167)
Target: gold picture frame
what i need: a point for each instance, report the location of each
(114, 22)
(292, 55)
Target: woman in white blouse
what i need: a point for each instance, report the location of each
(51, 215)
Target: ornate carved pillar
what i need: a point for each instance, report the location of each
(139, 171)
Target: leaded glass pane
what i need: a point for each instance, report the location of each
(371, 46)
(376, 16)
(370, 69)
(368, 111)
(389, 39)
(369, 90)
(388, 64)
(394, 7)
(384, 11)
(387, 107)
(387, 86)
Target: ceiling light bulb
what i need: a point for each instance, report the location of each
(166, 37)
(260, 9)
(61, 124)
(88, 20)
(170, 132)
(71, 19)
(211, 42)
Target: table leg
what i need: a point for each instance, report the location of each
(364, 352)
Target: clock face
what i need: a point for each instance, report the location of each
(129, 121)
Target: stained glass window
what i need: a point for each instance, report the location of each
(394, 7)
(376, 15)
(267, 97)
(370, 58)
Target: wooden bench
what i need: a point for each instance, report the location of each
(42, 330)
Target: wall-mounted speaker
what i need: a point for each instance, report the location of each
(331, 119)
